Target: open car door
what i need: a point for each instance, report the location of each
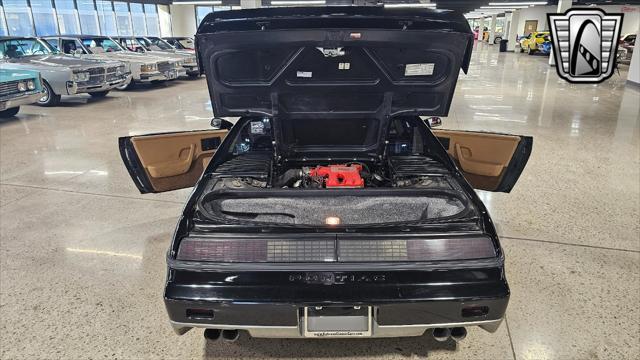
(168, 161)
(489, 161)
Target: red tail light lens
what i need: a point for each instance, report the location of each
(340, 250)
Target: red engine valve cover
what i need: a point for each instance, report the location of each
(343, 176)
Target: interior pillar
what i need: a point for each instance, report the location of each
(492, 29)
(513, 30)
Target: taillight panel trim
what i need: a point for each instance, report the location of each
(335, 249)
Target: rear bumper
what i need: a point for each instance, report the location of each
(378, 331)
(271, 304)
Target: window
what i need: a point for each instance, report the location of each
(44, 18)
(100, 44)
(153, 23)
(88, 17)
(68, 22)
(122, 18)
(18, 17)
(3, 27)
(137, 19)
(72, 46)
(18, 48)
(156, 43)
(201, 12)
(106, 18)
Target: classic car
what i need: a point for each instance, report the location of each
(61, 74)
(144, 68)
(545, 47)
(626, 44)
(330, 208)
(531, 42)
(190, 63)
(162, 49)
(181, 42)
(18, 87)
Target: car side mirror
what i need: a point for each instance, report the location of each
(221, 124)
(77, 52)
(434, 121)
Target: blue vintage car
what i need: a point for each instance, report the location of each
(545, 47)
(18, 87)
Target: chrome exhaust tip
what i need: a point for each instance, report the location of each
(212, 334)
(230, 335)
(458, 333)
(441, 334)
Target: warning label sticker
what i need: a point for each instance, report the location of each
(418, 69)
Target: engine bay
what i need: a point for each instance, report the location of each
(255, 185)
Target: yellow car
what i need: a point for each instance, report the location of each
(531, 42)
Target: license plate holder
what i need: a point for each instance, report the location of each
(337, 321)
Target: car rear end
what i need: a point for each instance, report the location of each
(297, 285)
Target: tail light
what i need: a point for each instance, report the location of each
(328, 250)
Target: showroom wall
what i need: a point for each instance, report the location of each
(92, 17)
(630, 24)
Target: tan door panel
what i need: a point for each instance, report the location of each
(175, 160)
(483, 157)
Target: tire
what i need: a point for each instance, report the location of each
(497, 40)
(99, 94)
(9, 112)
(128, 86)
(530, 51)
(193, 76)
(49, 98)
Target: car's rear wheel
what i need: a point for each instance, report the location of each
(99, 94)
(193, 75)
(49, 98)
(9, 112)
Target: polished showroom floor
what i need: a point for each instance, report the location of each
(82, 253)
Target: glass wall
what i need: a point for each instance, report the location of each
(68, 22)
(3, 24)
(106, 18)
(201, 12)
(44, 17)
(138, 19)
(123, 21)
(88, 17)
(153, 22)
(91, 17)
(18, 17)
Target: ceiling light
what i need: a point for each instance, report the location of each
(518, 3)
(415, 5)
(298, 2)
(202, 2)
(503, 7)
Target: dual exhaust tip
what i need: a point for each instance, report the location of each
(439, 334)
(443, 334)
(217, 334)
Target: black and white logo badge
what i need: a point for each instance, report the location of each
(585, 44)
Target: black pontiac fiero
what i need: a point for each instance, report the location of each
(330, 208)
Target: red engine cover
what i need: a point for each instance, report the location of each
(344, 176)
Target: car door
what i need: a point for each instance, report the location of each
(168, 161)
(489, 161)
